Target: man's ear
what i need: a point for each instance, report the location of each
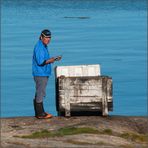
(41, 37)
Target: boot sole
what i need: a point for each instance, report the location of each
(46, 117)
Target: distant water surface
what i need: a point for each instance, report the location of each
(111, 33)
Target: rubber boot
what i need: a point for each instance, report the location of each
(39, 111)
(34, 103)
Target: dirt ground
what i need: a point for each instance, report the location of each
(13, 128)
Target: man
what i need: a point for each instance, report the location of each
(41, 70)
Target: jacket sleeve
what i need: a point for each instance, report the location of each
(40, 56)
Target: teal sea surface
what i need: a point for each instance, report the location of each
(112, 33)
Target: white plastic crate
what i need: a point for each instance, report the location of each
(78, 70)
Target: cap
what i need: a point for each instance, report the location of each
(46, 33)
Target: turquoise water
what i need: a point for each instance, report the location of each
(112, 34)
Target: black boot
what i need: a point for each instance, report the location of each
(39, 111)
(34, 103)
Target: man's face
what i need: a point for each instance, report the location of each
(46, 40)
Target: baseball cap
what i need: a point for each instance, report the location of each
(46, 33)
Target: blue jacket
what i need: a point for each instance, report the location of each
(40, 55)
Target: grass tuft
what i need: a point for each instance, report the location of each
(135, 137)
(62, 132)
(107, 131)
(39, 134)
(74, 130)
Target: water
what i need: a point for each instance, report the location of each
(113, 34)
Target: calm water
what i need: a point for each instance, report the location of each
(113, 34)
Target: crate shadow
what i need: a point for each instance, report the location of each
(82, 113)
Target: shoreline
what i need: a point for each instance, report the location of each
(125, 131)
(145, 116)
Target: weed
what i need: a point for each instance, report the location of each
(135, 137)
(107, 131)
(61, 132)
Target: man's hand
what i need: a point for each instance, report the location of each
(53, 59)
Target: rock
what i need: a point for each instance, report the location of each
(113, 131)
